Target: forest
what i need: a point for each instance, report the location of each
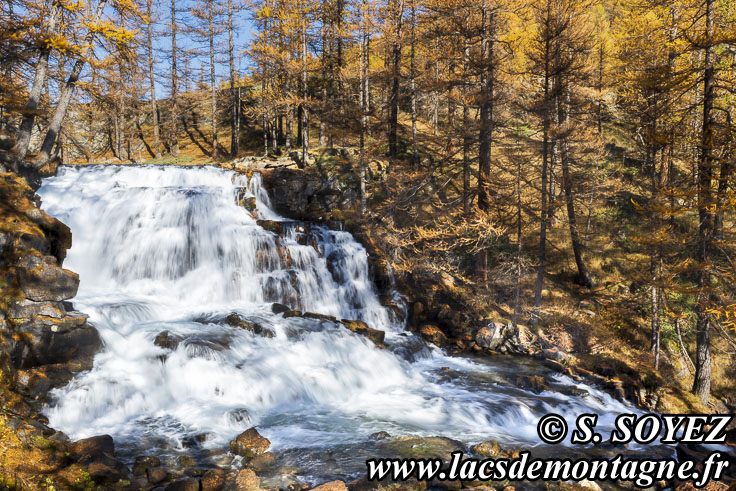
(566, 168)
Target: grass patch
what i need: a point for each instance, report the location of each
(169, 161)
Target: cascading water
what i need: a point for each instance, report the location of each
(169, 249)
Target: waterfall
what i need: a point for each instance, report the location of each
(169, 253)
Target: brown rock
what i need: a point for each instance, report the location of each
(312, 315)
(360, 327)
(213, 480)
(184, 485)
(142, 464)
(155, 475)
(236, 321)
(433, 334)
(262, 462)
(94, 448)
(489, 448)
(165, 340)
(331, 486)
(247, 481)
(249, 444)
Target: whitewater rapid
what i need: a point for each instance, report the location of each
(170, 249)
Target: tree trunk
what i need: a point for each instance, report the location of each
(305, 98)
(393, 120)
(466, 131)
(213, 87)
(413, 87)
(486, 109)
(563, 122)
(154, 105)
(20, 149)
(363, 115)
(235, 94)
(701, 385)
(174, 145)
(543, 212)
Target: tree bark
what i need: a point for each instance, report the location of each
(213, 86)
(154, 105)
(393, 120)
(563, 122)
(466, 131)
(20, 149)
(305, 96)
(543, 218)
(413, 87)
(174, 145)
(486, 109)
(702, 382)
(363, 115)
(234, 94)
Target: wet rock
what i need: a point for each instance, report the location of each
(143, 463)
(360, 327)
(279, 308)
(433, 334)
(380, 435)
(312, 315)
(235, 320)
(331, 486)
(93, 448)
(249, 444)
(186, 461)
(247, 480)
(193, 441)
(535, 383)
(184, 485)
(262, 462)
(212, 480)
(166, 340)
(292, 313)
(155, 475)
(271, 226)
(42, 280)
(489, 448)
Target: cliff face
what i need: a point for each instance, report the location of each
(44, 340)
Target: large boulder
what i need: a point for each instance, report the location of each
(41, 279)
(249, 444)
(492, 336)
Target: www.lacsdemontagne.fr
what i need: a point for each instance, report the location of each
(641, 472)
